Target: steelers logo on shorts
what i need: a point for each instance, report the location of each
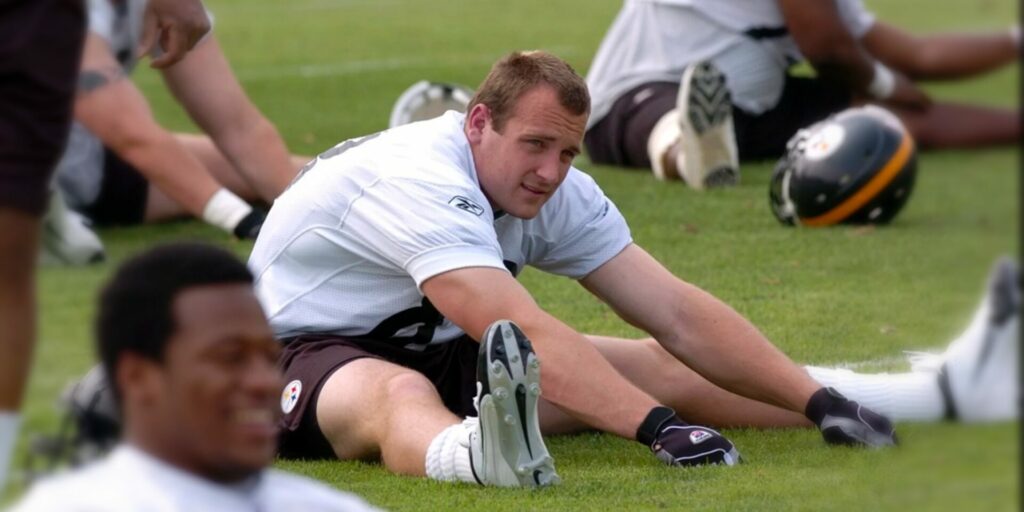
(290, 396)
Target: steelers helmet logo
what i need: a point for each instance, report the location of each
(824, 142)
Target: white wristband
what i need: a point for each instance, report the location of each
(225, 210)
(883, 83)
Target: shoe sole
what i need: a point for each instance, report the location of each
(509, 375)
(708, 142)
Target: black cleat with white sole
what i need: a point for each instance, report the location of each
(507, 449)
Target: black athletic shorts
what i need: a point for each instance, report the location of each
(123, 194)
(620, 138)
(40, 49)
(308, 360)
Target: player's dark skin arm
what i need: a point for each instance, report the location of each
(940, 56)
(835, 54)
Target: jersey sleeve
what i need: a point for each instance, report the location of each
(581, 230)
(856, 17)
(422, 228)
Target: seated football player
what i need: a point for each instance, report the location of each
(688, 89)
(388, 269)
(193, 366)
(121, 167)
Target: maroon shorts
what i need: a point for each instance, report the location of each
(308, 360)
(40, 48)
(620, 137)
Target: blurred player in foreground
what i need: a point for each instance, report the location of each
(193, 364)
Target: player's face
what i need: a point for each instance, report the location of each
(520, 167)
(219, 383)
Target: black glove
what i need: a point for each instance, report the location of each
(249, 227)
(846, 422)
(677, 443)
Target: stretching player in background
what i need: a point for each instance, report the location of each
(689, 88)
(121, 167)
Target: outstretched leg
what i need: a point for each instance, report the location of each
(957, 125)
(975, 379)
(160, 206)
(371, 408)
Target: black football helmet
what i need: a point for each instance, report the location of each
(90, 428)
(426, 100)
(856, 167)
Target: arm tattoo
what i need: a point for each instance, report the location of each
(91, 79)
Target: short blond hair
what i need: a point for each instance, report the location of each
(519, 72)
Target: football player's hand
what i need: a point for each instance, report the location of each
(907, 94)
(177, 24)
(845, 422)
(677, 443)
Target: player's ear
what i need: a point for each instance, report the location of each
(137, 378)
(477, 120)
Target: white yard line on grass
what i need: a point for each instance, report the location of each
(359, 67)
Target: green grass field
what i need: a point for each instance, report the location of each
(326, 70)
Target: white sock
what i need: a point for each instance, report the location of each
(900, 396)
(448, 454)
(664, 135)
(8, 434)
(225, 210)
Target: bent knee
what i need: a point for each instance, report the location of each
(409, 385)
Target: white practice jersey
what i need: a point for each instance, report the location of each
(79, 172)
(129, 480)
(346, 247)
(654, 41)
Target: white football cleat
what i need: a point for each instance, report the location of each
(979, 371)
(67, 237)
(506, 448)
(708, 157)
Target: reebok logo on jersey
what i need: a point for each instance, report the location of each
(699, 436)
(290, 396)
(465, 204)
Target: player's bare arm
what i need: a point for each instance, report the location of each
(204, 84)
(940, 56)
(574, 376)
(701, 331)
(113, 109)
(836, 54)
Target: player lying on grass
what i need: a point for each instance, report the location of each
(193, 361)
(391, 254)
(121, 167)
(688, 88)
